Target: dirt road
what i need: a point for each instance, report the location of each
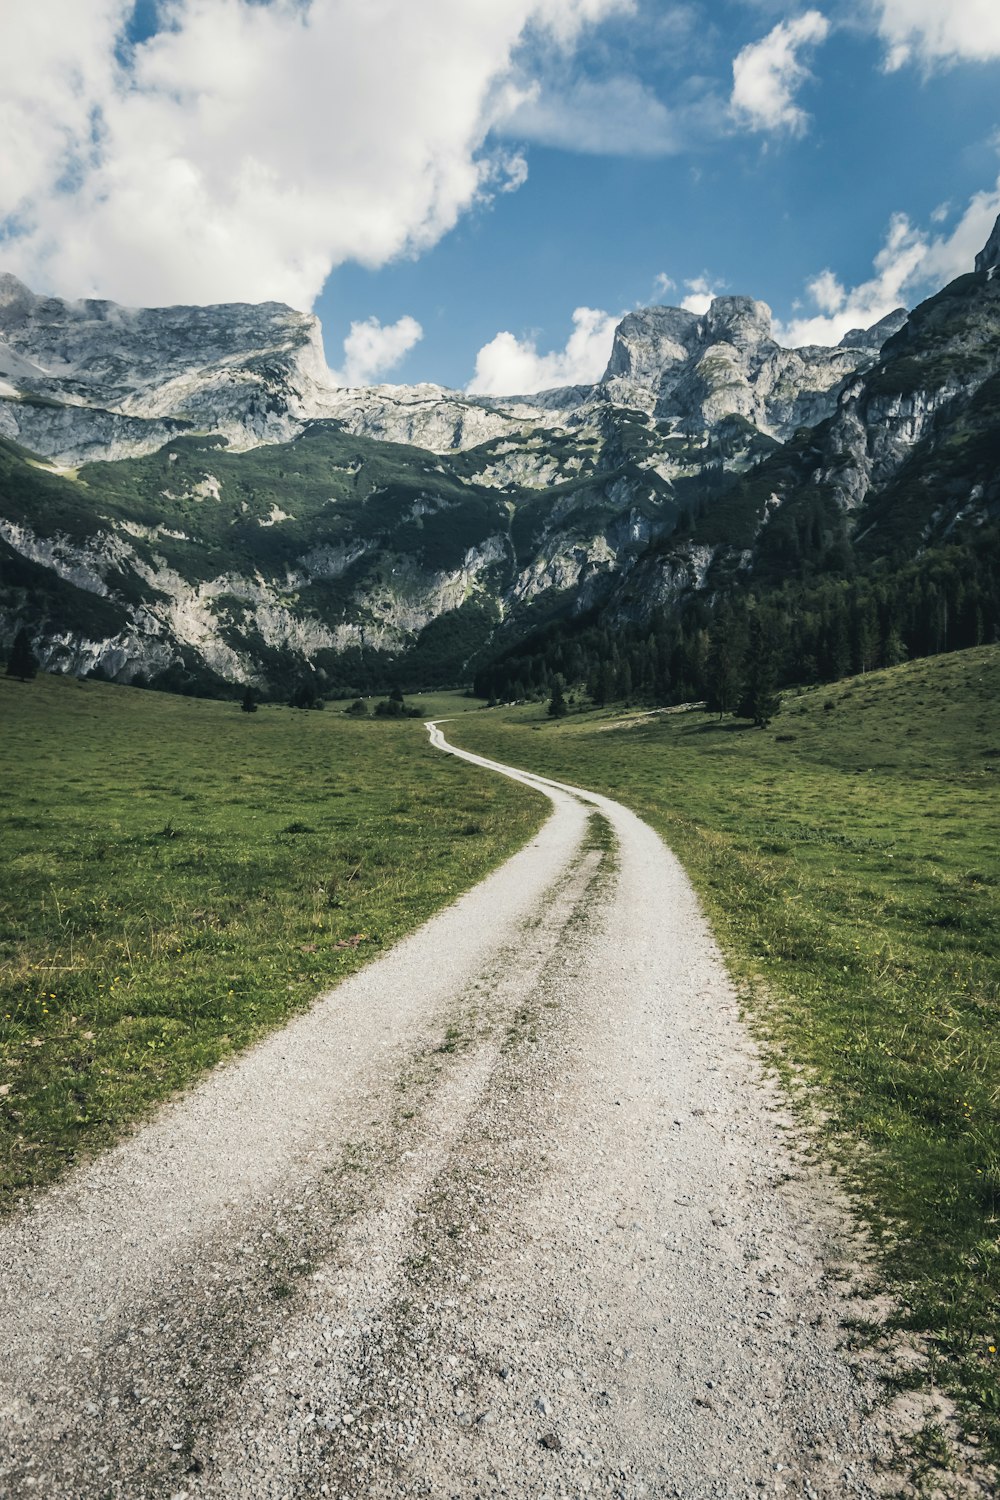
(511, 1212)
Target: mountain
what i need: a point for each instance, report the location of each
(186, 495)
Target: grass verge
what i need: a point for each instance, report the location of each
(848, 860)
(180, 877)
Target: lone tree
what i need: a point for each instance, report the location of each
(761, 700)
(249, 704)
(21, 662)
(724, 666)
(558, 707)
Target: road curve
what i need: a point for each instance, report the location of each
(514, 1211)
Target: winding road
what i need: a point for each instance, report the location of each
(514, 1211)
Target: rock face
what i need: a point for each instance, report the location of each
(909, 459)
(90, 380)
(701, 370)
(933, 378)
(988, 258)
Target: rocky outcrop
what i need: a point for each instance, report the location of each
(92, 375)
(89, 379)
(988, 258)
(429, 416)
(699, 371)
(928, 375)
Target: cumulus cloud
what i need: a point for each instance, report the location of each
(767, 74)
(910, 263)
(372, 349)
(509, 366)
(701, 293)
(938, 31)
(246, 149)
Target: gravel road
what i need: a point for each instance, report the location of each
(514, 1211)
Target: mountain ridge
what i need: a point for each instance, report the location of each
(196, 504)
(256, 373)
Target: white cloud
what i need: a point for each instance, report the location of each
(701, 293)
(938, 31)
(246, 149)
(909, 264)
(767, 74)
(372, 349)
(509, 171)
(508, 366)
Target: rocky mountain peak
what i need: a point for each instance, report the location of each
(875, 336)
(139, 344)
(650, 339)
(738, 320)
(90, 378)
(988, 258)
(14, 295)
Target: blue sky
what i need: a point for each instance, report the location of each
(466, 186)
(753, 213)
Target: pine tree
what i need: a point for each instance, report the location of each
(21, 662)
(558, 707)
(725, 661)
(249, 704)
(761, 700)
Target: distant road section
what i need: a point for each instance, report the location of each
(514, 1211)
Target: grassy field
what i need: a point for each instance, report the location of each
(849, 859)
(180, 877)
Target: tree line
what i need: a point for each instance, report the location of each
(736, 650)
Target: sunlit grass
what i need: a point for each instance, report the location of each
(848, 859)
(180, 877)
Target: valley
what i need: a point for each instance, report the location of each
(288, 962)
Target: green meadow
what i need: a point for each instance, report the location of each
(180, 877)
(849, 859)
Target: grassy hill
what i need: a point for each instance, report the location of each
(180, 877)
(848, 859)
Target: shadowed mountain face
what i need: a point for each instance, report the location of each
(185, 494)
